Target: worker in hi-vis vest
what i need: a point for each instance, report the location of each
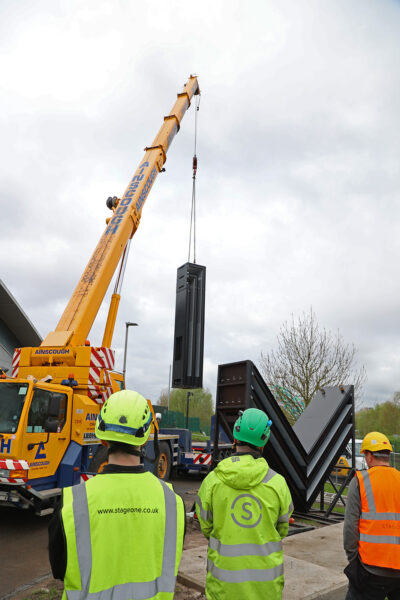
(120, 534)
(243, 507)
(371, 532)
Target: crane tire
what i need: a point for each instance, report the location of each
(164, 463)
(99, 460)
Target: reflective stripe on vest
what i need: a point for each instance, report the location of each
(244, 549)
(270, 474)
(379, 530)
(380, 516)
(165, 583)
(243, 575)
(285, 518)
(206, 515)
(368, 491)
(380, 539)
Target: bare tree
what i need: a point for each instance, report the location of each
(309, 358)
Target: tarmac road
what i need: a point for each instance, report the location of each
(23, 541)
(23, 549)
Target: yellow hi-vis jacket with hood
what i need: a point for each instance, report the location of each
(243, 508)
(124, 538)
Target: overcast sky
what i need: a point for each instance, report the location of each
(298, 181)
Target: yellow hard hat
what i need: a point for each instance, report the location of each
(375, 441)
(125, 417)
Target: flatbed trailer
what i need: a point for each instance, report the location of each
(190, 456)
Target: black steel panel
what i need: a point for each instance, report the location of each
(187, 371)
(305, 453)
(317, 419)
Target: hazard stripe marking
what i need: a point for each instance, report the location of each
(15, 362)
(13, 465)
(203, 459)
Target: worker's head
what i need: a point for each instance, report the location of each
(124, 420)
(376, 448)
(252, 428)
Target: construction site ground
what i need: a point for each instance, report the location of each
(48, 588)
(314, 563)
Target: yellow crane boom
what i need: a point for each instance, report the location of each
(80, 313)
(49, 405)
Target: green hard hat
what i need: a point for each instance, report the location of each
(125, 417)
(252, 427)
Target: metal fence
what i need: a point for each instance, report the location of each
(172, 418)
(337, 477)
(395, 460)
(339, 472)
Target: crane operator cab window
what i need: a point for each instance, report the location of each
(47, 412)
(12, 398)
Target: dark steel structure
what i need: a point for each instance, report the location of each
(187, 371)
(304, 454)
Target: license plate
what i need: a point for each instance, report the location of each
(4, 496)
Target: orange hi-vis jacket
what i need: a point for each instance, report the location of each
(379, 525)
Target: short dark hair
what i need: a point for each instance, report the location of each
(119, 447)
(248, 445)
(382, 454)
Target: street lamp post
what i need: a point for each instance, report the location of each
(127, 325)
(169, 385)
(187, 408)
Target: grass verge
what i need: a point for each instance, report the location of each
(50, 593)
(329, 488)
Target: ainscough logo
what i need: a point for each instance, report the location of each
(126, 201)
(52, 351)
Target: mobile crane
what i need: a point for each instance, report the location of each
(49, 405)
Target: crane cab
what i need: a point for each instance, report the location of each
(35, 423)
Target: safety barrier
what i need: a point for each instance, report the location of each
(172, 418)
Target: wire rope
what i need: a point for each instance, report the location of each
(192, 229)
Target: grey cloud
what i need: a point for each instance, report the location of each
(298, 170)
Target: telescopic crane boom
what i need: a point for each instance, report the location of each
(49, 405)
(80, 313)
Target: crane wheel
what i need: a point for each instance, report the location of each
(99, 460)
(164, 464)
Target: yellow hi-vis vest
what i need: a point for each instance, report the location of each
(124, 537)
(243, 507)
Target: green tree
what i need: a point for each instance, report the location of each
(309, 358)
(367, 420)
(200, 403)
(384, 417)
